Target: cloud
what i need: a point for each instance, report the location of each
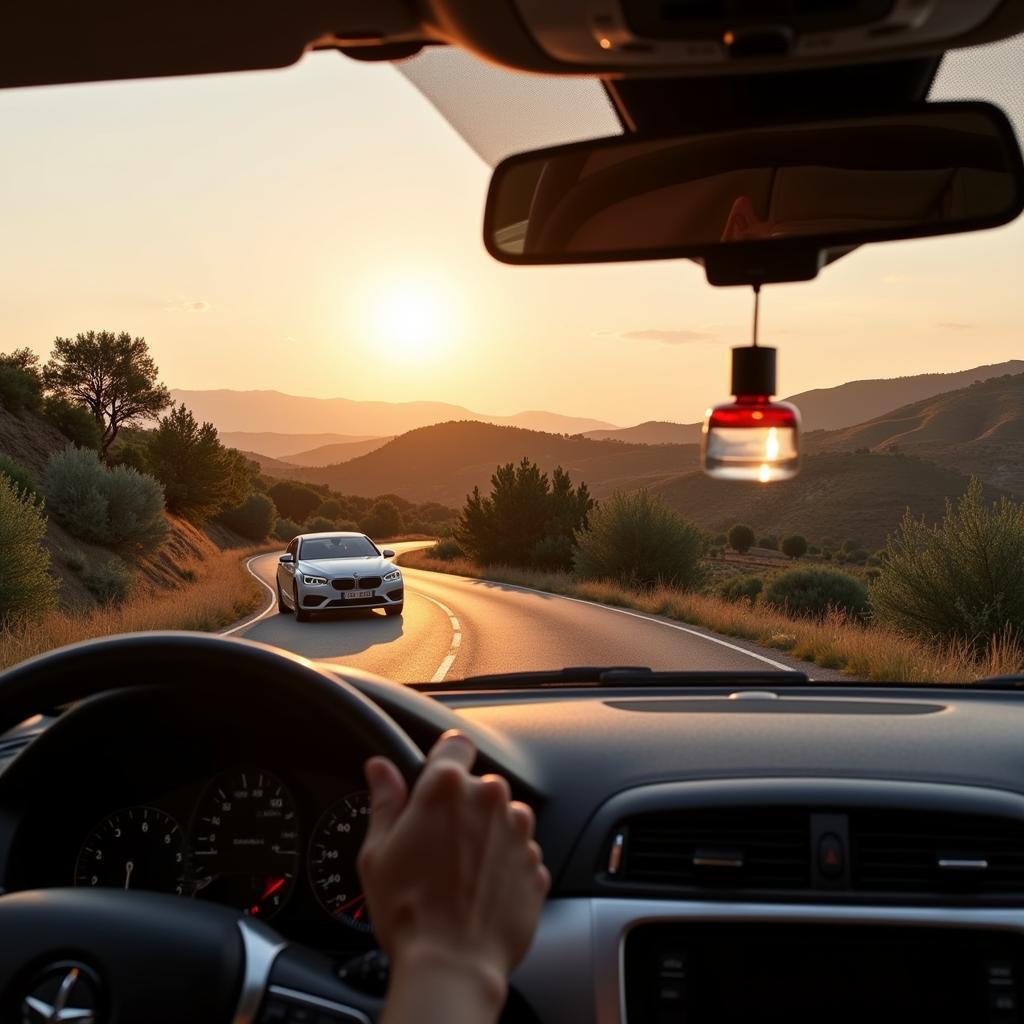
(677, 337)
(188, 306)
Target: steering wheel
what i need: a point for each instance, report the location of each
(93, 956)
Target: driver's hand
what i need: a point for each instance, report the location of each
(454, 883)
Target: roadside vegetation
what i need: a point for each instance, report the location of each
(942, 604)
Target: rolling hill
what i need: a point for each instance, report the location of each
(837, 496)
(332, 454)
(444, 462)
(280, 446)
(977, 429)
(233, 411)
(652, 432)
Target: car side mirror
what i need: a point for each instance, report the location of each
(388, 553)
(286, 559)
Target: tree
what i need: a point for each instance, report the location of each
(255, 518)
(75, 422)
(638, 541)
(21, 381)
(383, 520)
(526, 520)
(794, 546)
(295, 501)
(27, 589)
(960, 580)
(741, 538)
(112, 375)
(200, 476)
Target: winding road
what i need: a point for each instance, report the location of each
(455, 627)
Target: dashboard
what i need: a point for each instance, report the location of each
(804, 840)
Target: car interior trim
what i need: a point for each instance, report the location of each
(261, 947)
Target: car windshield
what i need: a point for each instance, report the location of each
(242, 309)
(312, 548)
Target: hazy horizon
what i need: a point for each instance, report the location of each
(265, 232)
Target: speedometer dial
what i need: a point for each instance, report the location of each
(136, 848)
(245, 845)
(332, 860)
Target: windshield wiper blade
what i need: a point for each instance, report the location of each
(619, 675)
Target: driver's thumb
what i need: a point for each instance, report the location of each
(388, 793)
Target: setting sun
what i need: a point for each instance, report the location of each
(411, 320)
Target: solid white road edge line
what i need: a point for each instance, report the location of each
(448, 660)
(263, 583)
(620, 611)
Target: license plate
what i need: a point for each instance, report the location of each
(351, 595)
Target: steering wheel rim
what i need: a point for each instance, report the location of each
(91, 935)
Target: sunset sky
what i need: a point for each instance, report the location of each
(317, 231)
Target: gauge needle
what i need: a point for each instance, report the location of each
(129, 867)
(351, 903)
(272, 888)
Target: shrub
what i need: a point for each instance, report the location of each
(383, 520)
(740, 588)
(255, 518)
(960, 580)
(814, 550)
(118, 507)
(109, 582)
(200, 476)
(286, 529)
(319, 524)
(346, 526)
(813, 593)
(794, 546)
(26, 588)
(720, 540)
(553, 553)
(21, 381)
(332, 509)
(447, 549)
(850, 545)
(741, 538)
(74, 421)
(771, 543)
(21, 476)
(295, 501)
(638, 541)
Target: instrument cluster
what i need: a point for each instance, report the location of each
(239, 840)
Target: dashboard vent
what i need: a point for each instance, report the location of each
(728, 848)
(900, 851)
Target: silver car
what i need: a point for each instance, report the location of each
(327, 571)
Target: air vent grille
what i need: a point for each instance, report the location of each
(936, 853)
(727, 848)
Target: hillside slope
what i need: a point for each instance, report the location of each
(444, 462)
(280, 446)
(652, 432)
(233, 411)
(836, 497)
(977, 429)
(333, 454)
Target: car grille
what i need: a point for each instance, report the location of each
(363, 583)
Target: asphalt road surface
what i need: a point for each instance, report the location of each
(455, 627)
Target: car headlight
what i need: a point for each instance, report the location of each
(396, 575)
(314, 581)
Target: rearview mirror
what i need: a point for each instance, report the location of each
(286, 559)
(764, 203)
(388, 553)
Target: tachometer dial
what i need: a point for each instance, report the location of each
(136, 848)
(245, 842)
(332, 860)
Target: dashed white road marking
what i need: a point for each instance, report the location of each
(266, 611)
(449, 659)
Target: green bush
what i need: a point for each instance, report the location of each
(814, 592)
(794, 546)
(21, 476)
(383, 520)
(740, 588)
(27, 590)
(638, 541)
(960, 580)
(741, 538)
(319, 524)
(333, 509)
(447, 549)
(109, 582)
(74, 421)
(21, 381)
(117, 507)
(771, 543)
(814, 550)
(286, 529)
(552, 553)
(255, 518)
(295, 501)
(850, 545)
(720, 540)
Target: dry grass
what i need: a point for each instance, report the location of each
(866, 652)
(218, 592)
